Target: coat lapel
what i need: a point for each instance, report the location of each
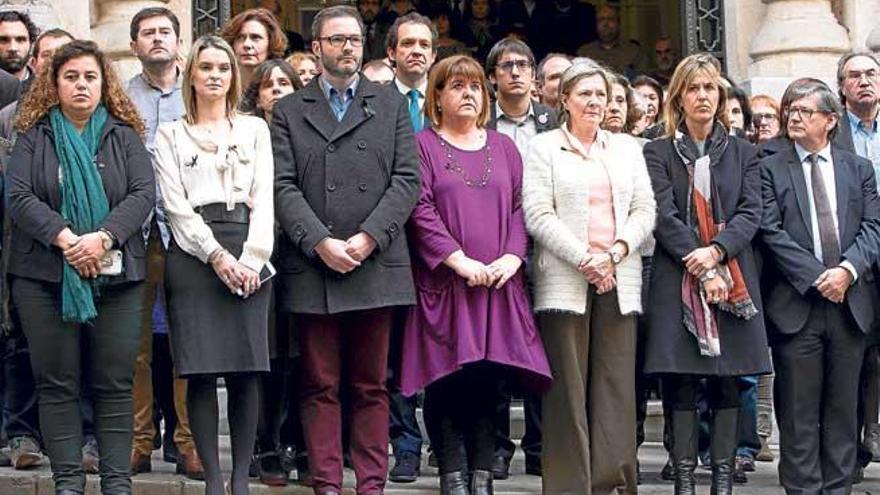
(319, 114)
(359, 111)
(800, 188)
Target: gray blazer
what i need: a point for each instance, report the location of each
(337, 179)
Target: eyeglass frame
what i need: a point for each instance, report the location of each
(521, 65)
(757, 117)
(345, 38)
(803, 113)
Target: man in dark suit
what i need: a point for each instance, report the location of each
(821, 231)
(346, 180)
(858, 80)
(510, 67)
(412, 47)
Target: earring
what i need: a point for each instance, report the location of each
(439, 110)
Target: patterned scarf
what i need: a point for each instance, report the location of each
(83, 203)
(705, 217)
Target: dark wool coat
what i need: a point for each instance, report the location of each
(669, 347)
(337, 179)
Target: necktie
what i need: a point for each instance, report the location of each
(824, 215)
(415, 113)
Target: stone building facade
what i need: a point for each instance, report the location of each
(765, 43)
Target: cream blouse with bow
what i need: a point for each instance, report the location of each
(194, 169)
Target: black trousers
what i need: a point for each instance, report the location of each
(459, 417)
(531, 440)
(815, 394)
(66, 356)
(20, 413)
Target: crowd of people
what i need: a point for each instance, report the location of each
(436, 210)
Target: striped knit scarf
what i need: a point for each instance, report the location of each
(705, 217)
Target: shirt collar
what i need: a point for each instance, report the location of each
(349, 91)
(824, 153)
(575, 145)
(500, 113)
(178, 84)
(856, 124)
(404, 89)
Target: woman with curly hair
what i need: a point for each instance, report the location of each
(80, 188)
(256, 36)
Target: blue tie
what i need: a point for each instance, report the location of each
(415, 114)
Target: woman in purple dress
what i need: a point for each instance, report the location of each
(472, 325)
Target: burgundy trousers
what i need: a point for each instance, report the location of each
(345, 350)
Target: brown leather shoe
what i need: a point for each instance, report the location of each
(140, 463)
(189, 463)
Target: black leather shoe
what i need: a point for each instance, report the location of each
(453, 483)
(533, 466)
(67, 492)
(406, 468)
(481, 482)
(739, 472)
(270, 470)
(500, 467)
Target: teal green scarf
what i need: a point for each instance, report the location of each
(83, 203)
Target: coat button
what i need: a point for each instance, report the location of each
(392, 228)
(362, 186)
(362, 145)
(330, 226)
(331, 187)
(331, 147)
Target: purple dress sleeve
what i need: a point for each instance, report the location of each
(517, 239)
(431, 238)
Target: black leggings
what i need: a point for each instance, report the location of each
(459, 416)
(682, 392)
(243, 395)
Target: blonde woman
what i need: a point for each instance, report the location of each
(215, 170)
(589, 207)
(704, 282)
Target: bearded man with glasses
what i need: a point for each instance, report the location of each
(346, 180)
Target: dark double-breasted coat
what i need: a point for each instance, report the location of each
(335, 179)
(670, 348)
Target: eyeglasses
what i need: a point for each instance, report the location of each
(522, 65)
(339, 40)
(803, 113)
(758, 117)
(855, 75)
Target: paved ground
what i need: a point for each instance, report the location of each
(652, 457)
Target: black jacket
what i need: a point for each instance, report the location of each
(786, 236)
(337, 179)
(669, 347)
(35, 200)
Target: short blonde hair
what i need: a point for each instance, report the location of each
(233, 97)
(577, 72)
(698, 64)
(447, 69)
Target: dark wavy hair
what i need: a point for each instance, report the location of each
(250, 103)
(43, 94)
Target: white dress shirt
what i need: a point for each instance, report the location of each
(826, 168)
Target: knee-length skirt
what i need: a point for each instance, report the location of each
(212, 330)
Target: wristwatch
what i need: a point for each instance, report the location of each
(108, 240)
(616, 257)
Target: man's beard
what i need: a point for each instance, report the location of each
(158, 59)
(334, 69)
(12, 65)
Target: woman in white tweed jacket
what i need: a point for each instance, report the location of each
(589, 206)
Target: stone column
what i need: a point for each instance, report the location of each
(798, 38)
